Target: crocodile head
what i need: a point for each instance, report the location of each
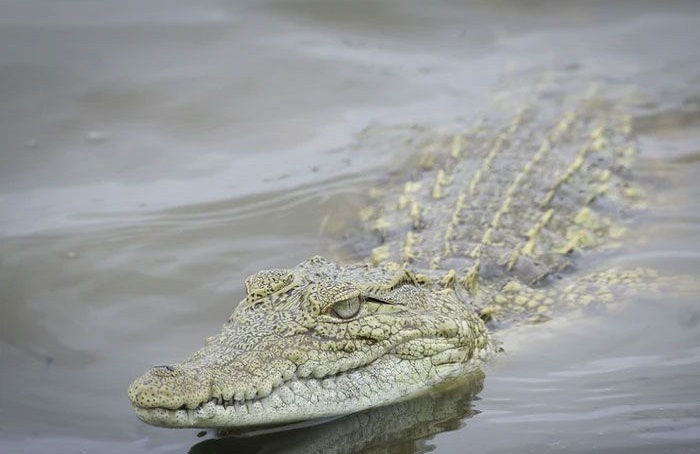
(318, 340)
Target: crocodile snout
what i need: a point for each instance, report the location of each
(171, 387)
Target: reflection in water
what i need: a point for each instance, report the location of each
(402, 428)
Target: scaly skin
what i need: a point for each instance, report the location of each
(486, 227)
(402, 427)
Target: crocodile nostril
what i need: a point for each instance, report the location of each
(165, 367)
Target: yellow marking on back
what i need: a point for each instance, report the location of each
(475, 181)
(454, 222)
(604, 176)
(529, 247)
(457, 146)
(426, 160)
(414, 213)
(448, 279)
(407, 254)
(599, 141)
(440, 180)
(412, 187)
(476, 251)
(381, 225)
(487, 237)
(403, 201)
(634, 192)
(471, 280)
(586, 218)
(379, 254)
(367, 213)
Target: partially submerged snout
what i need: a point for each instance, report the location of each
(226, 382)
(208, 388)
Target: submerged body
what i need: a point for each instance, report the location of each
(489, 227)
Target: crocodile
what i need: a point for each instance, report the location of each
(494, 225)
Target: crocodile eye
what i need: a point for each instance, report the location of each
(348, 308)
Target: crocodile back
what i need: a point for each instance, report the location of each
(519, 196)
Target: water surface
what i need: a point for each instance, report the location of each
(154, 156)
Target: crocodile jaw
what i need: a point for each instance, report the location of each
(387, 380)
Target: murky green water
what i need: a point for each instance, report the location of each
(153, 156)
